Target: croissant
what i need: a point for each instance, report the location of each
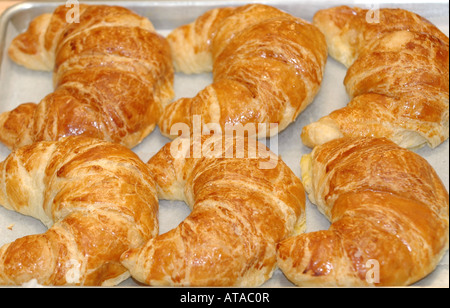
(97, 198)
(389, 216)
(242, 205)
(267, 67)
(112, 75)
(398, 77)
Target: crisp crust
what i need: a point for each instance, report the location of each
(112, 74)
(239, 213)
(386, 204)
(267, 67)
(397, 78)
(98, 200)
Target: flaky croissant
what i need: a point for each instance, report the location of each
(112, 75)
(398, 77)
(241, 207)
(267, 67)
(389, 215)
(98, 200)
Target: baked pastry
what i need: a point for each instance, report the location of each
(267, 67)
(241, 207)
(97, 198)
(112, 75)
(389, 215)
(397, 78)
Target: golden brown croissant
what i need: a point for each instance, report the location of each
(267, 67)
(98, 200)
(398, 77)
(112, 74)
(241, 207)
(388, 211)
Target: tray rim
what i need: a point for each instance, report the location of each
(207, 3)
(6, 16)
(210, 3)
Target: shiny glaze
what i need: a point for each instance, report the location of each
(385, 203)
(239, 213)
(98, 200)
(397, 78)
(112, 74)
(267, 67)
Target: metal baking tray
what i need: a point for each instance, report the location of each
(19, 85)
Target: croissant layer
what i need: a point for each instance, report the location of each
(388, 211)
(240, 209)
(97, 198)
(397, 78)
(267, 68)
(112, 75)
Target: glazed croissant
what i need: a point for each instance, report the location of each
(389, 216)
(98, 200)
(267, 67)
(398, 77)
(112, 75)
(241, 207)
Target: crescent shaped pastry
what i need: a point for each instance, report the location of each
(397, 78)
(112, 75)
(389, 216)
(267, 68)
(98, 200)
(244, 200)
